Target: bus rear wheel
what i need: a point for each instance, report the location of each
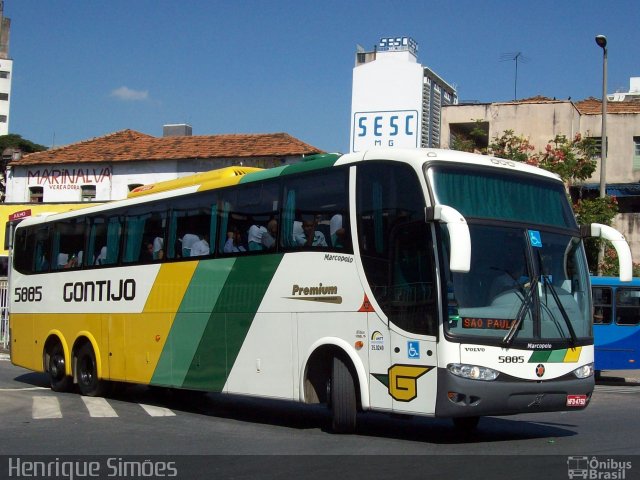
(87, 373)
(343, 400)
(56, 369)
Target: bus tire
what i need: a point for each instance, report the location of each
(343, 398)
(56, 369)
(87, 373)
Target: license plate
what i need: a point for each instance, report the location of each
(576, 400)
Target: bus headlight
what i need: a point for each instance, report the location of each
(473, 372)
(584, 371)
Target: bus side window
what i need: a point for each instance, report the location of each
(627, 306)
(602, 300)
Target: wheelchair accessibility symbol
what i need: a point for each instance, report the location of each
(534, 238)
(413, 349)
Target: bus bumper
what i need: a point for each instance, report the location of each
(461, 397)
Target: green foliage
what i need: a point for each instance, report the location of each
(16, 141)
(513, 147)
(470, 142)
(572, 160)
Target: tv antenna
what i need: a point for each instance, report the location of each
(515, 57)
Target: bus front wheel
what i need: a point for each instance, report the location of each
(87, 373)
(343, 398)
(56, 369)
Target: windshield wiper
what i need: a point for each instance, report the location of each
(522, 312)
(563, 312)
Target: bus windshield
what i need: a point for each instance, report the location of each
(528, 280)
(502, 196)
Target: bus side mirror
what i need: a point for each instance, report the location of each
(619, 243)
(460, 254)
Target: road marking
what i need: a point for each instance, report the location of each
(45, 407)
(157, 411)
(616, 389)
(24, 388)
(99, 407)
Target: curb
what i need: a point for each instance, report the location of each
(4, 356)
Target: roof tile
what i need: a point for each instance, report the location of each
(129, 145)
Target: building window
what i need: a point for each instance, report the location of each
(35, 194)
(597, 151)
(3, 119)
(4, 96)
(4, 74)
(88, 193)
(469, 137)
(636, 153)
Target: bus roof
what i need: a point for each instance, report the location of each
(239, 174)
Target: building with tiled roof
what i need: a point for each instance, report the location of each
(540, 119)
(108, 167)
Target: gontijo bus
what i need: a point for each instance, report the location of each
(427, 282)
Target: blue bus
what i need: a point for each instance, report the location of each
(616, 323)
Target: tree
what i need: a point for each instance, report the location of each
(513, 147)
(8, 145)
(16, 141)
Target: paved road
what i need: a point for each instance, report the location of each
(249, 438)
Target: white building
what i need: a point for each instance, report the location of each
(109, 167)
(6, 67)
(632, 95)
(396, 102)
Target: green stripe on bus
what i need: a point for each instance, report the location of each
(557, 356)
(539, 356)
(326, 161)
(230, 320)
(262, 175)
(190, 321)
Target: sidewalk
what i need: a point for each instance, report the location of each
(613, 377)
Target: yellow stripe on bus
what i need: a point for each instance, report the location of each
(573, 354)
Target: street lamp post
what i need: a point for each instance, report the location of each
(601, 40)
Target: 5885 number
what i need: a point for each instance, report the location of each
(27, 294)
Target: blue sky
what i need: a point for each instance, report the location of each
(84, 69)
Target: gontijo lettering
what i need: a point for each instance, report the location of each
(99, 291)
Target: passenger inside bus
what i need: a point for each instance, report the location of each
(234, 242)
(305, 233)
(201, 247)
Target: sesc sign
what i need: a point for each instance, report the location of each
(396, 128)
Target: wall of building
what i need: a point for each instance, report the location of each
(63, 183)
(539, 122)
(621, 128)
(386, 105)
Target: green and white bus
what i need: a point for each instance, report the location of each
(422, 282)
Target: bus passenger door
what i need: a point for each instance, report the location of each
(411, 305)
(413, 373)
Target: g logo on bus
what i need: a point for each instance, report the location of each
(540, 370)
(403, 381)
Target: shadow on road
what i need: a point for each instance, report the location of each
(295, 415)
